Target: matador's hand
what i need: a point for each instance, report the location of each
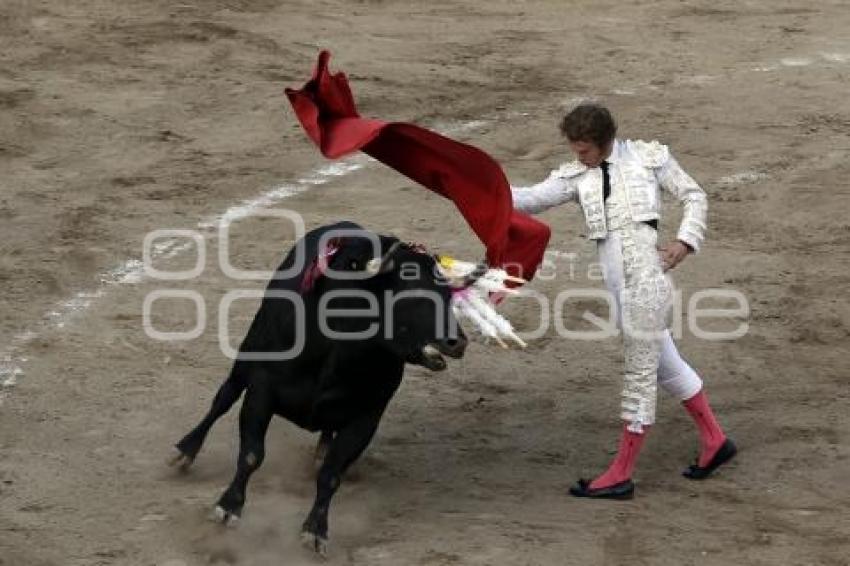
(672, 254)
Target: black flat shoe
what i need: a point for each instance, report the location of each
(726, 452)
(622, 490)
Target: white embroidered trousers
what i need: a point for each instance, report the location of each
(642, 295)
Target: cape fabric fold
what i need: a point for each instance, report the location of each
(460, 172)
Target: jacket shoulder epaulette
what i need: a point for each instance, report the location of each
(568, 170)
(651, 154)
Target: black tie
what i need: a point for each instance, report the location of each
(606, 181)
(606, 189)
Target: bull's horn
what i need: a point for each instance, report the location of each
(373, 266)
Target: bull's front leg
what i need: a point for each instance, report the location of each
(254, 421)
(348, 444)
(322, 447)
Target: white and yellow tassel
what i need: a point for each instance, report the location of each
(471, 304)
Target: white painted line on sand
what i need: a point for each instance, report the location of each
(836, 57)
(796, 61)
(741, 178)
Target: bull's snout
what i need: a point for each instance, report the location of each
(452, 347)
(431, 355)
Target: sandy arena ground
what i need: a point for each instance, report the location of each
(119, 117)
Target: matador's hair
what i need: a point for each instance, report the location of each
(589, 122)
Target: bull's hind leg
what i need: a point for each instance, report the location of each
(227, 395)
(349, 442)
(254, 421)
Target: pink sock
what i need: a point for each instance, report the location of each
(711, 435)
(624, 462)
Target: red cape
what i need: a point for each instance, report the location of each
(462, 173)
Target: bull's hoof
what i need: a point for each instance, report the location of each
(180, 460)
(226, 518)
(314, 542)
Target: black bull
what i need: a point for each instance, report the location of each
(337, 384)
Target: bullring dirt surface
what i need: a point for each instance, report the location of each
(117, 118)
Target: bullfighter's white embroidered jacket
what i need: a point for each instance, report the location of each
(643, 168)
